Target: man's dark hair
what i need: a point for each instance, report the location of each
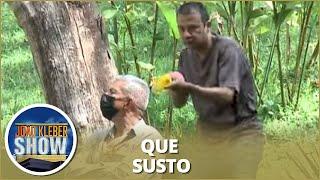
(189, 7)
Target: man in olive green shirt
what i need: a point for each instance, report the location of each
(110, 152)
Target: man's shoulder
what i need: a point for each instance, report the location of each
(226, 42)
(154, 133)
(230, 48)
(99, 135)
(148, 132)
(221, 42)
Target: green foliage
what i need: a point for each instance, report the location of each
(169, 13)
(308, 165)
(146, 66)
(258, 25)
(108, 14)
(21, 85)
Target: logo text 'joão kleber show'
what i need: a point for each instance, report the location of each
(40, 139)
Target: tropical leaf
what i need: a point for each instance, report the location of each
(283, 15)
(109, 13)
(131, 15)
(259, 25)
(262, 30)
(256, 13)
(293, 20)
(159, 36)
(146, 66)
(168, 10)
(269, 4)
(221, 11)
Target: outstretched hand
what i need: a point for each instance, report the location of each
(180, 86)
(178, 83)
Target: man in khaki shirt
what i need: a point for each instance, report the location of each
(110, 152)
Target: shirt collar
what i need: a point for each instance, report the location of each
(139, 128)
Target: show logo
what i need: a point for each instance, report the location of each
(40, 139)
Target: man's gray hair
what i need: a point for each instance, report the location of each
(137, 89)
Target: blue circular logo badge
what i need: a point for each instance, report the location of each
(40, 139)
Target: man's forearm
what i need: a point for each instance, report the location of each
(179, 98)
(221, 95)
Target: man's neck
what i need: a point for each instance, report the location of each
(203, 50)
(125, 123)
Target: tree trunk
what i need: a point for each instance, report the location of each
(71, 55)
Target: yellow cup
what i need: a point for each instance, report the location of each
(159, 83)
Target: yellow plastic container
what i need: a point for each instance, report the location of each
(159, 83)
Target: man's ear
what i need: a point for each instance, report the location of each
(128, 104)
(208, 25)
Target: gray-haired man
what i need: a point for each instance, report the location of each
(110, 152)
(124, 105)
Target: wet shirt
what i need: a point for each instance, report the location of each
(225, 65)
(111, 148)
(104, 155)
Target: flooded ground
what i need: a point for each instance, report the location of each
(296, 159)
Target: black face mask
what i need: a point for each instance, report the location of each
(107, 106)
